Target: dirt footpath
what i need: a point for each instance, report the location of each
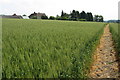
(105, 63)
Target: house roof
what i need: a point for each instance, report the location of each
(41, 14)
(12, 16)
(38, 14)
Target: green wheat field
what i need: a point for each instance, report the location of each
(49, 49)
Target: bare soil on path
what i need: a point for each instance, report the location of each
(105, 63)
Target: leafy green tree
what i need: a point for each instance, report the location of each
(52, 18)
(83, 15)
(77, 14)
(89, 17)
(98, 18)
(44, 17)
(58, 17)
(62, 14)
(73, 14)
(34, 17)
(101, 18)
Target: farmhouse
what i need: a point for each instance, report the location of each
(37, 15)
(12, 16)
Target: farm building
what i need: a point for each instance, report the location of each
(37, 15)
(12, 16)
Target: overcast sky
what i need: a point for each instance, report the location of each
(107, 8)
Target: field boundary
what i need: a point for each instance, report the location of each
(0, 47)
(105, 63)
(114, 34)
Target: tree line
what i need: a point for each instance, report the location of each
(76, 16)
